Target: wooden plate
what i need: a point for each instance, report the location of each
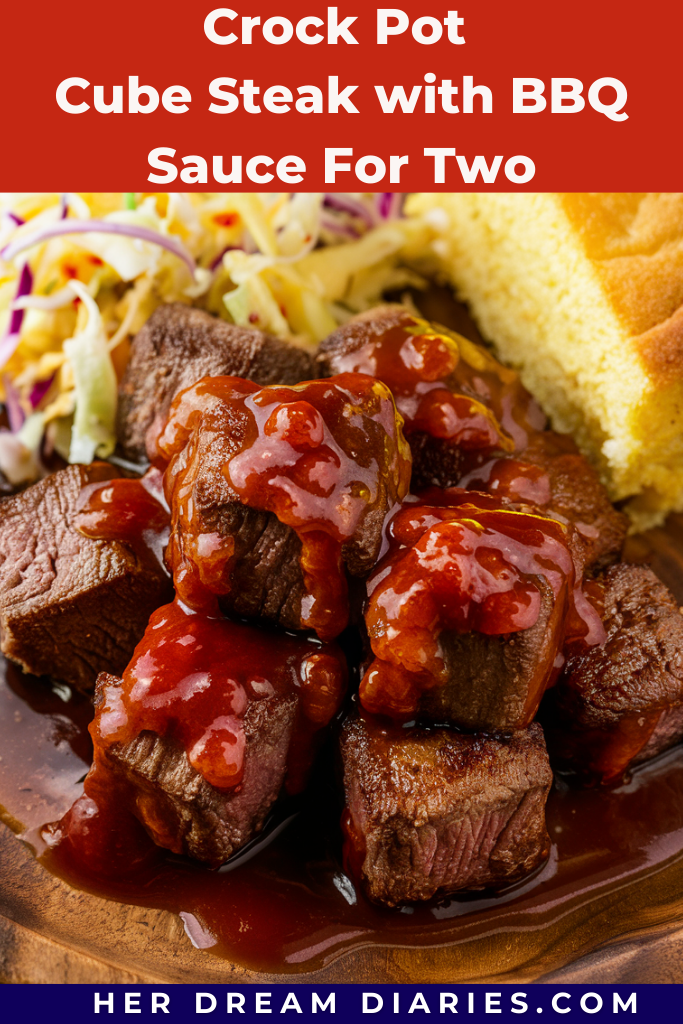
(610, 931)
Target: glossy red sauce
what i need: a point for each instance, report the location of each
(508, 453)
(512, 480)
(323, 456)
(133, 511)
(462, 565)
(448, 387)
(291, 907)
(585, 608)
(191, 679)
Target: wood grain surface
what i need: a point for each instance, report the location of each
(50, 932)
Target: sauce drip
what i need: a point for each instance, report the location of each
(323, 456)
(291, 908)
(512, 480)
(192, 677)
(191, 680)
(133, 511)
(462, 565)
(447, 386)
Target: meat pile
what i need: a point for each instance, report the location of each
(401, 487)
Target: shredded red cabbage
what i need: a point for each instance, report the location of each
(10, 339)
(38, 391)
(389, 204)
(338, 227)
(80, 227)
(9, 221)
(15, 413)
(343, 203)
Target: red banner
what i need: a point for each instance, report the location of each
(307, 96)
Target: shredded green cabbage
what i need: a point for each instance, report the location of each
(293, 264)
(95, 386)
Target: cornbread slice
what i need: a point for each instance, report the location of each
(583, 292)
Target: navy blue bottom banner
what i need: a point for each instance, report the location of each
(303, 1002)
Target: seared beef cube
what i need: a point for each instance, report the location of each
(70, 606)
(466, 613)
(434, 813)
(458, 402)
(181, 810)
(400, 350)
(495, 683)
(577, 494)
(266, 581)
(621, 703)
(211, 720)
(278, 494)
(552, 474)
(177, 347)
(436, 462)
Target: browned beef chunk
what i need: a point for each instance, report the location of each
(434, 813)
(553, 474)
(577, 494)
(180, 809)
(375, 342)
(266, 582)
(177, 347)
(572, 489)
(436, 463)
(363, 470)
(70, 607)
(496, 683)
(621, 703)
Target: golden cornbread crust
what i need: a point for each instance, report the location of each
(583, 292)
(636, 240)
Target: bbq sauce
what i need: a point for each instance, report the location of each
(324, 456)
(292, 908)
(510, 479)
(130, 510)
(192, 677)
(508, 453)
(464, 564)
(190, 681)
(445, 385)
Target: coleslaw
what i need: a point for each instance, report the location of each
(80, 274)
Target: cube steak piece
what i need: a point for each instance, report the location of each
(177, 347)
(266, 580)
(70, 606)
(552, 474)
(438, 812)
(495, 683)
(181, 810)
(360, 345)
(618, 704)
(574, 488)
(577, 493)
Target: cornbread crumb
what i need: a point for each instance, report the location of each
(583, 292)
